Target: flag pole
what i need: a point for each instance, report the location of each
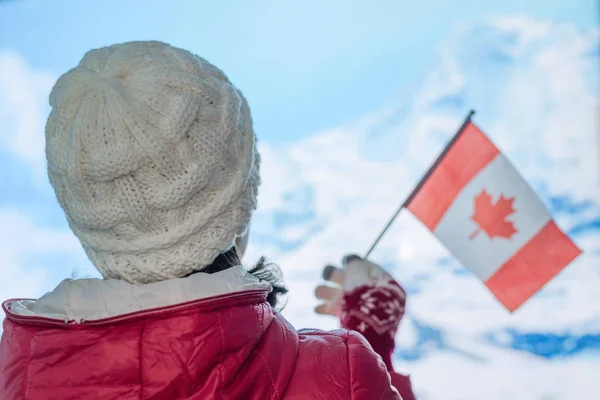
(419, 185)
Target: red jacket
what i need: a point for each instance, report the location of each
(231, 346)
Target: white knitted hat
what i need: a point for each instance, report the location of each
(152, 156)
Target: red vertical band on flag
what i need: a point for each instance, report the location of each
(469, 154)
(544, 256)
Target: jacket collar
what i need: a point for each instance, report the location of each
(95, 299)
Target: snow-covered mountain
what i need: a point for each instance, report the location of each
(536, 91)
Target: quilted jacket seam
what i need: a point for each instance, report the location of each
(294, 334)
(221, 353)
(263, 331)
(26, 391)
(141, 358)
(350, 372)
(276, 392)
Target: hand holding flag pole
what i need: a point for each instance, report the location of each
(512, 244)
(420, 184)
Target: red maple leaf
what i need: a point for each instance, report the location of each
(491, 217)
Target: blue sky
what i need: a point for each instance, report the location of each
(304, 66)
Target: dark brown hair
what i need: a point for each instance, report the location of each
(263, 270)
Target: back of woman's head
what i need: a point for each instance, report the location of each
(152, 156)
(263, 270)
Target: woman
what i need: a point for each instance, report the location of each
(152, 156)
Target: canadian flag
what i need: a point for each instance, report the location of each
(481, 209)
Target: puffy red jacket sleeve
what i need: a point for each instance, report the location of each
(375, 310)
(369, 378)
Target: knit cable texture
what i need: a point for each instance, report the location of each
(152, 156)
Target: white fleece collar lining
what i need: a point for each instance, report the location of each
(92, 299)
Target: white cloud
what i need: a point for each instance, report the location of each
(25, 252)
(503, 374)
(23, 108)
(25, 248)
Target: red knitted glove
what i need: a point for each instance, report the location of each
(368, 300)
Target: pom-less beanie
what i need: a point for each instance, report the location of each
(152, 156)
